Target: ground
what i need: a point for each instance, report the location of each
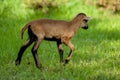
(96, 55)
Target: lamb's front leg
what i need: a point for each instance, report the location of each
(60, 50)
(67, 42)
(70, 45)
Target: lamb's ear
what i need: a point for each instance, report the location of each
(86, 19)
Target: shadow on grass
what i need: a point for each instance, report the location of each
(104, 33)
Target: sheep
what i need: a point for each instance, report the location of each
(52, 30)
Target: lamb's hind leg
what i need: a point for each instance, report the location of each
(22, 49)
(34, 52)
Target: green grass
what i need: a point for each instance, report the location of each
(96, 55)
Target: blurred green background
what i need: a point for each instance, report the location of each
(97, 50)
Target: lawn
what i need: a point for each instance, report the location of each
(97, 50)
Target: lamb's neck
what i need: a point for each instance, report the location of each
(75, 24)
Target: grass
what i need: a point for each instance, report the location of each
(96, 55)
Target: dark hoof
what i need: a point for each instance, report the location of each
(17, 62)
(62, 61)
(66, 61)
(39, 67)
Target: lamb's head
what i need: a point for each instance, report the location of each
(84, 19)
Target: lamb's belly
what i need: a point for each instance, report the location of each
(52, 37)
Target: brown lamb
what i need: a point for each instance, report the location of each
(52, 30)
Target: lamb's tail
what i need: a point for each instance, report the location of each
(23, 30)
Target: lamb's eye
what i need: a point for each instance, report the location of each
(85, 20)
